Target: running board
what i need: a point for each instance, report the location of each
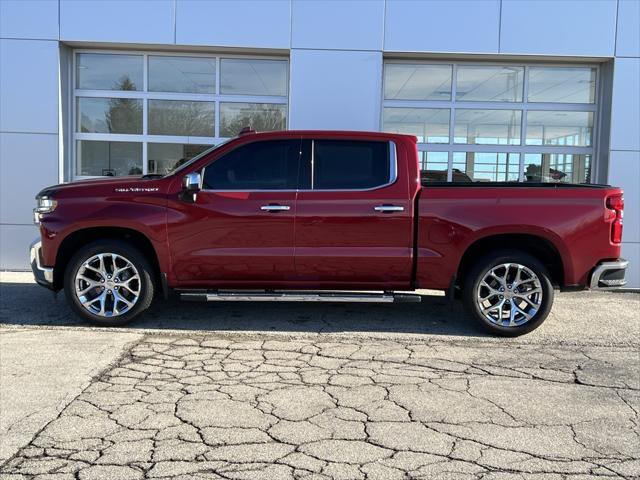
(286, 296)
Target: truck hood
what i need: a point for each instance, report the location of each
(102, 183)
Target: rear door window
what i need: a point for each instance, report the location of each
(350, 165)
(262, 165)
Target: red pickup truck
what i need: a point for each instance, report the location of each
(324, 216)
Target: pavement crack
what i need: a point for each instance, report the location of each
(211, 406)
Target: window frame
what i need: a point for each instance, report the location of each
(393, 167)
(304, 157)
(524, 106)
(145, 95)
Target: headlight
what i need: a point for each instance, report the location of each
(44, 205)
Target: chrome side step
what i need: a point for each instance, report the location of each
(297, 296)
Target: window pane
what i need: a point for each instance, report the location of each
(486, 167)
(347, 165)
(253, 77)
(108, 158)
(559, 128)
(98, 71)
(433, 166)
(430, 125)
(489, 84)
(417, 82)
(182, 74)
(257, 166)
(262, 117)
(163, 158)
(181, 117)
(557, 167)
(109, 115)
(562, 84)
(487, 127)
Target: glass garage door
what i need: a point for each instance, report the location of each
(495, 122)
(144, 112)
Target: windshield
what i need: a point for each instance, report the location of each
(199, 156)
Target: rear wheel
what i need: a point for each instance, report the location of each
(108, 283)
(508, 292)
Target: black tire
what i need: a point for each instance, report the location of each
(481, 268)
(130, 253)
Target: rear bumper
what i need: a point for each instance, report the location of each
(42, 275)
(609, 275)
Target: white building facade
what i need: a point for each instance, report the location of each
(495, 90)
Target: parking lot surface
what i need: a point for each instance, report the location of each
(315, 391)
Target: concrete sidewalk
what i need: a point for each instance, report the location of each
(42, 371)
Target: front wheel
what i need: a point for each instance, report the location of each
(108, 282)
(508, 292)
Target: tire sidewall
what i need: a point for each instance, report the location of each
(479, 270)
(120, 248)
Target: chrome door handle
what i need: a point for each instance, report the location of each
(275, 208)
(388, 208)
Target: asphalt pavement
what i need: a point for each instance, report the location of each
(317, 391)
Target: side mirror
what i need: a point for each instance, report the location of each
(190, 186)
(191, 182)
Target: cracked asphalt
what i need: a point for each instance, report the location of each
(331, 392)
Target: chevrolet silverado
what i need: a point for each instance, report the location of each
(324, 216)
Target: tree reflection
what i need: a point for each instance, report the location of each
(176, 117)
(124, 114)
(261, 117)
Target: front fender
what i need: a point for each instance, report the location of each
(73, 217)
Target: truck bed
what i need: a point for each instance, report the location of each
(570, 220)
(427, 184)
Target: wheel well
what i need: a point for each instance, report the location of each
(539, 247)
(80, 238)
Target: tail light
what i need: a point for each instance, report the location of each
(616, 204)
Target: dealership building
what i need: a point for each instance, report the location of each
(495, 90)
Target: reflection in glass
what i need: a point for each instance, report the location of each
(109, 115)
(562, 84)
(487, 127)
(182, 74)
(430, 125)
(163, 158)
(559, 128)
(95, 158)
(557, 167)
(262, 117)
(181, 117)
(487, 167)
(240, 76)
(433, 166)
(100, 71)
(417, 82)
(489, 84)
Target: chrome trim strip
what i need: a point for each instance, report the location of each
(34, 255)
(603, 267)
(393, 162)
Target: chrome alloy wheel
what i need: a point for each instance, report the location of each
(509, 295)
(107, 285)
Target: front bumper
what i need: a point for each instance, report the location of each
(43, 275)
(609, 275)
